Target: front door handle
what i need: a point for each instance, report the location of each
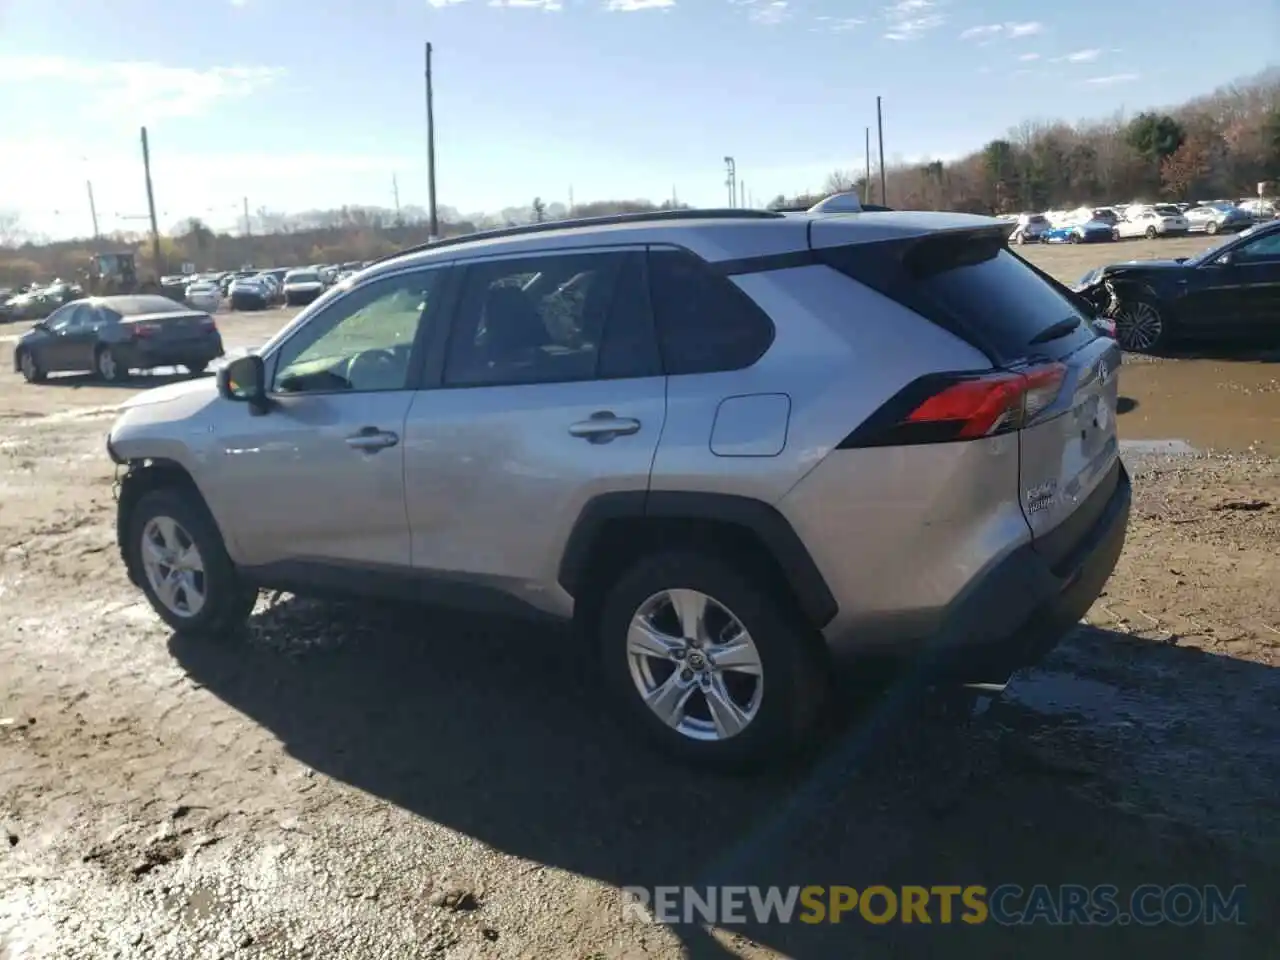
(371, 440)
(603, 426)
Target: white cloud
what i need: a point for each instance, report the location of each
(140, 90)
(836, 24)
(1112, 78)
(1028, 57)
(550, 6)
(909, 19)
(631, 6)
(442, 3)
(239, 3)
(1002, 31)
(1080, 56)
(768, 12)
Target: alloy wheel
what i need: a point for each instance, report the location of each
(1138, 326)
(173, 566)
(107, 364)
(695, 665)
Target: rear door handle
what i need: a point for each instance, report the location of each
(604, 426)
(371, 440)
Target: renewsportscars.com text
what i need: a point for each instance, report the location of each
(1006, 905)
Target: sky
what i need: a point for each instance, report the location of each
(295, 105)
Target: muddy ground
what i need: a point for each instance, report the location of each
(357, 783)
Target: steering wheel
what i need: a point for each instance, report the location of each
(372, 369)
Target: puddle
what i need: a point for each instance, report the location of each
(1098, 704)
(1230, 406)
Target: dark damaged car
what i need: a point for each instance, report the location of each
(1230, 292)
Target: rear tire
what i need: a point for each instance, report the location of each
(197, 368)
(1152, 233)
(107, 366)
(224, 600)
(729, 717)
(1211, 228)
(32, 372)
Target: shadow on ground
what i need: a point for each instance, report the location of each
(494, 730)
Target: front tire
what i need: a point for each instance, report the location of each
(1211, 228)
(1152, 233)
(709, 662)
(182, 566)
(1140, 326)
(32, 372)
(197, 368)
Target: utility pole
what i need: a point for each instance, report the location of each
(866, 182)
(571, 204)
(742, 193)
(395, 192)
(248, 227)
(431, 154)
(151, 205)
(884, 196)
(675, 198)
(731, 179)
(93, 209)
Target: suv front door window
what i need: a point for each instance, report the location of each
(319, 480)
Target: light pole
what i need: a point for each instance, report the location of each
(731, 179)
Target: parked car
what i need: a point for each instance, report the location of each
(112, 335)
(272, 285)
(1030, 229)
(204, 295)
(301, 287)
(1160, 220)
(1091, 231)
(1259, 210)
(1214, 218)
(1228, 292)
(249, 293)
(656, 428)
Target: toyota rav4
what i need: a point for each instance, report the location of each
(729, 446)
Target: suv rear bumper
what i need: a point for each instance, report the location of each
(1018, 611)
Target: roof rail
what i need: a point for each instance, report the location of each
(653, 216)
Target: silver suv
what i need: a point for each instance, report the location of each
(730, 446)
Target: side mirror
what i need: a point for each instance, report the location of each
(1224, 260)
(245, 381)
(40, 325)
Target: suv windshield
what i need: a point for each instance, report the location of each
(301, 278)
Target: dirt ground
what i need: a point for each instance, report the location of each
(356, 783)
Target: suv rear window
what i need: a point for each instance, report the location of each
(971, 284)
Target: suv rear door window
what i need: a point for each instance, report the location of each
(543, 319)
(705, 323)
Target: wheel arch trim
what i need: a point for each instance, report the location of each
(750, 515)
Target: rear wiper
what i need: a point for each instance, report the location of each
(1056, 330)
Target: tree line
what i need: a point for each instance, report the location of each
(1216, 146)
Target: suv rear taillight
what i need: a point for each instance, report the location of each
(143, 330)
(209, 325)
(944, 408)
